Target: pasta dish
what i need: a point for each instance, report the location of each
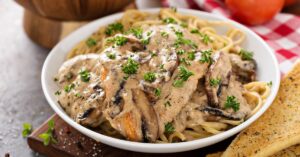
(161, 78)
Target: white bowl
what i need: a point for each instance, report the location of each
(267, 71)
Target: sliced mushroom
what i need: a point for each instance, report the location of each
(217, 77)
(136, 119)
(149, 119)
(245, 70)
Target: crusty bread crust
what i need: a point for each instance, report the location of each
(278, 128)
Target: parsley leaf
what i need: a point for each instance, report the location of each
(231, 102)
(214, 82)
(195, 31)
(191, 56)
(118, 40)
(112, 28)
(270, 83)
(137, 32)
(206, 56)
(111, 55)
(69, 87)
(48, 135)
(149, 77)
(145, 41)
(206, 39)
(182, 41)
(130, 67)
(184, 25)
(27, 128)
(180, 52)
(90, 42)
(164, 34)
(157, 92)
(169, 128)
(246, 55)
(85, 75)
(183, 76)
(169, 20)
(183, 60)
(57, 92)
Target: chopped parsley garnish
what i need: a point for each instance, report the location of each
(164, 34)
(191, 56)
(270, 83)
(27, 128)
(157, 92)
(206, 56)
(149, 33)
(184, 25)
(57, 92)
(169, 20)
(90, 42)
(206, 39)
(231, 102)
(130, 67)
(161, 67)
(137, 32)
(195, 31)
(69, 87)
(246, 55)
(145, 41)
(111, 55)
(214, 82)
(153, 54)
(179, 34)
(184, 61)
(149, 77)
(78, 95)
(183, 76)
(85, 75)
(48, 135)
(112, 28)
(169, 128)
(181, 52)
(167, 104)
(118, 40)
(182, 41)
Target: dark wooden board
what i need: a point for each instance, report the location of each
(72, 143)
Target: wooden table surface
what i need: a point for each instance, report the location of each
(21, 96)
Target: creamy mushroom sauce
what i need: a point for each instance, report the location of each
(97, 87)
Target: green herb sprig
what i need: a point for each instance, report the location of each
(48, 135)
(183, 76)
(27, 128)
(113, 28)
(231, 102)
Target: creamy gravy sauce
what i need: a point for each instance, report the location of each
(129, 102)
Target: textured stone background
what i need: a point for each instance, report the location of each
(21, 96)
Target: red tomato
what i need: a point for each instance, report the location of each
(254, 12)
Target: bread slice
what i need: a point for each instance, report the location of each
(289, 152)
(293, 151)
(278, 128)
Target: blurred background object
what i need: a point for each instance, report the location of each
(254, 12)
(73, 9)
(46, 22)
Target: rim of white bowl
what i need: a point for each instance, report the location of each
(169, 147)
